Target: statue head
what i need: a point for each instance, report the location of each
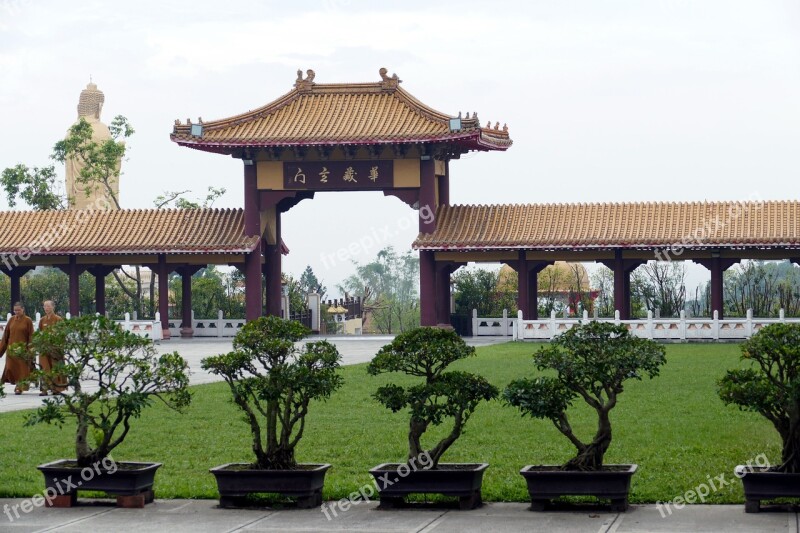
(91, 102)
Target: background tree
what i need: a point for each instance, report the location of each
(40, 189)
(310, 283)
(475, 288)
(389, 287)
(603, 283)
(661, 286)
(100, 161)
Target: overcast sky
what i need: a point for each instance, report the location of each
(605, 100)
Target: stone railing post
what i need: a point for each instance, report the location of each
(649, 323)
(715, 326)
(220, 324)
(748, 325)
(682, 326)
(474, 322)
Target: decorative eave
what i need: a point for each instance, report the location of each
(608, 226)
(313, 114)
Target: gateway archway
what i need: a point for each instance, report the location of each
(340, 137)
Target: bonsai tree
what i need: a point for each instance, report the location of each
(426, 352)
(112, 375)
(273, 382)
(591, 362)
(771, 386)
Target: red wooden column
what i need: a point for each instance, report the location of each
(427, 262)
(100, 272)
(272, 270)
(74, 274)
(252, 284)
(186, 272)
(252, 226)
(523, 289)
(444, 185)
(717, 266)
(443, 271)
(14, 274)
(622, 282)
(427, 288)
(163, 295)
(528, 285)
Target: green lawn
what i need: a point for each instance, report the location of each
(674, 427)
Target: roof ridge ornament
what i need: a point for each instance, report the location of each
(304, 84)
(387, 82)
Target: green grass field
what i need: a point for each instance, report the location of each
(674, 427)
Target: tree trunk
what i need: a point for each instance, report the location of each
(790, 458)
(591, 458)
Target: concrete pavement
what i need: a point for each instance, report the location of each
(196, 516)
(354, 350)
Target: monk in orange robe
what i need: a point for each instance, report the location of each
(48, 361)
(18, 329)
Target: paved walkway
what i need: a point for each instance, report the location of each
(354, 350)
(196, 516)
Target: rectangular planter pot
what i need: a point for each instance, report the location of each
(394, 482)
(304, 484)
(544, 485)
(132, 487)
(759, 484)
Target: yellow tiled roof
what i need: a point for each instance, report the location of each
(347, 113)
(125, 231)
(611, 225)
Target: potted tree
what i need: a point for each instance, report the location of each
(426, 353)
(592, 362)
(770, 387)
(112, 376)
(273, 383)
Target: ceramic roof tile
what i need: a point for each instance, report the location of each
(582, 226)
(126, 231)
(355, 113)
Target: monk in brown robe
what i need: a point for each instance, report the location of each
(48, 361)
(18, 329)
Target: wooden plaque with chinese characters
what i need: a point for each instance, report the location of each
(338, 175)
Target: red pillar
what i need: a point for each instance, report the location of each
(427, 263)
(523, 289)
(100, 272)
(272, 271)
(622, 282)
(443, 293)
(528, 286)
(14, 276)
(252, 263)
(427, 288)
(163, 295)
(427, 196)
(717, 266)
(100, 293)
(444, 185)
(187, 331)
(252, 283)
(74, 287)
